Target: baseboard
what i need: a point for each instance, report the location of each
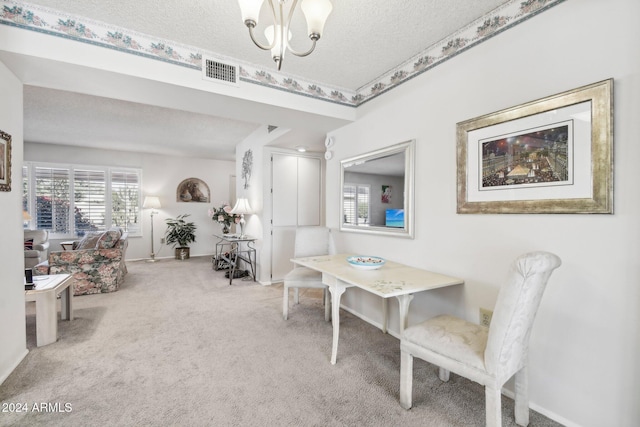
(549, 414)
(158, 258)
(368, 320)
(5, 375)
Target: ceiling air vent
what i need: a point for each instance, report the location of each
(220, 72)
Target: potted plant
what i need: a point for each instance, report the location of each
(180, 232)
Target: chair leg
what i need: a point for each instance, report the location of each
(406, 379)
(285, 303)
(522, 397)
(443, 374)
(493, 407)
(296, 296)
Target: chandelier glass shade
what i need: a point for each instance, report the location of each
(278, 35)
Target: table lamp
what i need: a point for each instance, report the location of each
(152, 202)
(241, 208)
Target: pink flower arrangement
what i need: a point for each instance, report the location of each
(223, 215)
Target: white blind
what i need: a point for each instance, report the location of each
(25, 189)
(349, 207)
(52, 199)
(89, 188)
(363, 203)
(356, 204)
(71, 200)
(125, 200)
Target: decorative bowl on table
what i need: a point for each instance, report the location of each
(365, 262)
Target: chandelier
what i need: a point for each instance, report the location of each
(315, 13)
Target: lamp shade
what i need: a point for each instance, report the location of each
(316, 13)
(151, 202)
(241, 207)
(250, 10)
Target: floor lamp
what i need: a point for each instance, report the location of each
(152, 202)
(241, 208)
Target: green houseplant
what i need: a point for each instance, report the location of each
(180, 232)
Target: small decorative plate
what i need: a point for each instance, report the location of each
(365, 262)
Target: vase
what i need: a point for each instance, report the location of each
(225, 229)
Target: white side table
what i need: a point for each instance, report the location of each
(44, 294)
(236, 253)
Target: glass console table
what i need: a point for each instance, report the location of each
(231, 250)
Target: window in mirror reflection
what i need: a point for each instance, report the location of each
(357, 201)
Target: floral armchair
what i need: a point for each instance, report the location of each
(97, 262)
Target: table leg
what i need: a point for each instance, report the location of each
(385, 314)
(336, 293)
(46, 321)
(404, 301)
(66, 303)
(233, 255)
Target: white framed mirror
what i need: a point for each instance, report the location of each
(377, 191)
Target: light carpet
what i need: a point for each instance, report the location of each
(178, 346)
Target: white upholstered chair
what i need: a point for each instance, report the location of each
(309, 241)
(36, 247)
(488, 356)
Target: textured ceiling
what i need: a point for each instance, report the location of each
(362, 41)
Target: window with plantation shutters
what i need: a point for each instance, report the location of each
(125, 200)
(52, 203)
(25, 189)
(356, 204)
(89, 190)
(349, 207)
(70, 201)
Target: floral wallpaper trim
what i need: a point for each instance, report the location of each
(500, 19)
(59, 24)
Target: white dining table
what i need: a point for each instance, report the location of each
(390, 280)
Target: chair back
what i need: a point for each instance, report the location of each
(39, 236)
(312, 241)
(515, 310)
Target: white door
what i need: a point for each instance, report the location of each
(295, 194)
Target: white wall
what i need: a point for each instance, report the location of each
(13, 342)
(258, 192)
(255, 193)
(585, 343)
(161, 176)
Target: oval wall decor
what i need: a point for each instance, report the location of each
(193, 190)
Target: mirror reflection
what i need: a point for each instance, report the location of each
(376, 191)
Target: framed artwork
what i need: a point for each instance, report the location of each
(193, 190)
(553, 155)
(386, 194)
(5, 161)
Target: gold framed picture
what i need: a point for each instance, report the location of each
(552, 155)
